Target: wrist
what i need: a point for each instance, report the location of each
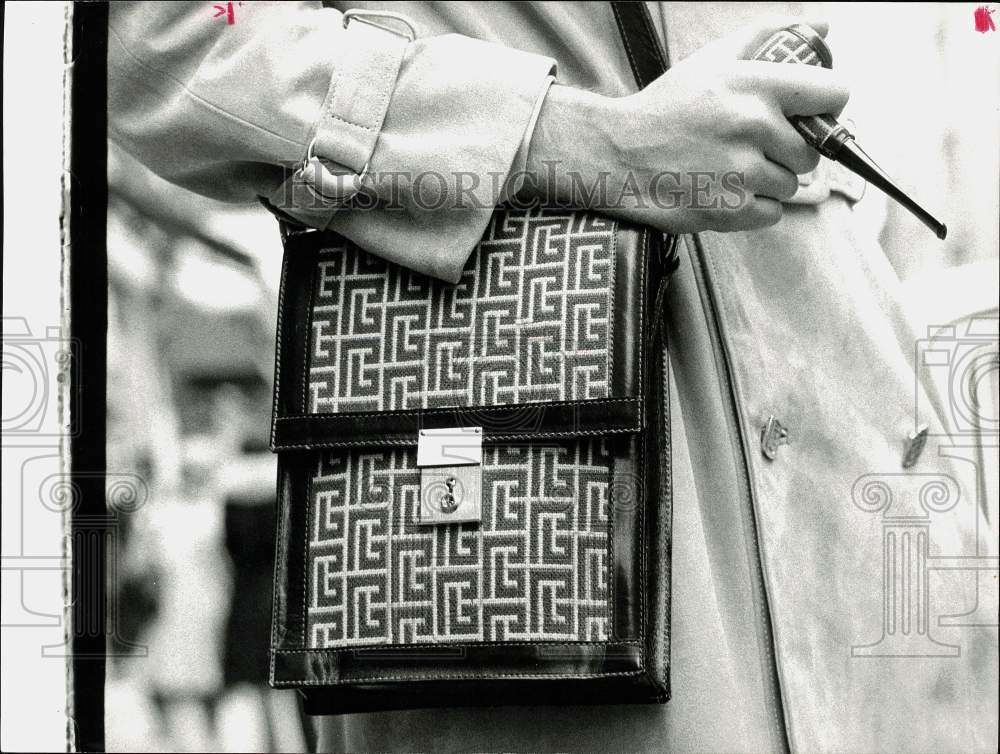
(570, 146)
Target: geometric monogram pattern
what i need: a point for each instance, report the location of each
(788, 48)
(528, 322)
(534, 569)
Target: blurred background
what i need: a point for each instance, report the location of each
(191, 321)
(193, 291)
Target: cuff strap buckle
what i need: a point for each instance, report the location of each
(371, 17)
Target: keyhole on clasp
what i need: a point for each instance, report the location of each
(447, 502)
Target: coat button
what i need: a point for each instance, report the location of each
(915, 442)
(772, 435)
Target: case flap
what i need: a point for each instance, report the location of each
(543, 337)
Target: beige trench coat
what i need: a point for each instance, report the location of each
(824, 600)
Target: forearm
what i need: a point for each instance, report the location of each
(232, 111)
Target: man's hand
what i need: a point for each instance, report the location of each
(707, 146)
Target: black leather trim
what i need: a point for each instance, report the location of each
(500, 423)
(453, 662)
(648, 62)
(626, 517)
(288, 617)
(385, 696)
(292, 337)
(628, 323)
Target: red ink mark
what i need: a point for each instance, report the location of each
(228, 10)
(984, 22)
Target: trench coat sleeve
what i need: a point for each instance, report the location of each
(229, 110)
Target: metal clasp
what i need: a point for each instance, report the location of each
(451, 475)
(334, 190)
(331, 189)
(366, 16)
(772, 436)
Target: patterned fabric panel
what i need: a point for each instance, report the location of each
(528, 322)
(534, 569)
(785, 47)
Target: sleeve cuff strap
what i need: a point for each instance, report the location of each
(360, 90)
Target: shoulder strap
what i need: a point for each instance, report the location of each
(645, 55)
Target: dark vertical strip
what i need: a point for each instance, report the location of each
(642, 47)
(88, 302)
